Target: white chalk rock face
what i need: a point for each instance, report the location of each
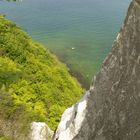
(72, 120)
(40, 131)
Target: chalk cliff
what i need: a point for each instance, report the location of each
(110, 110)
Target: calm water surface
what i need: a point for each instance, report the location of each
(79, 32)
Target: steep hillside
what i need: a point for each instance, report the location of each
(34, 85)
(111, 108)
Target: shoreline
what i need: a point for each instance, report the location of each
(80, 78)
(76, 74)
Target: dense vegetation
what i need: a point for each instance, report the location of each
(34, 85)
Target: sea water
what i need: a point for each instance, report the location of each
(79, 32)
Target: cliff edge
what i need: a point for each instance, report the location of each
(110, 110)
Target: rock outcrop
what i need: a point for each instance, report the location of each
(37, 131)
(111, 108)
(40, 131)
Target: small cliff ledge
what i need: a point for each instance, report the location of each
(111, 108)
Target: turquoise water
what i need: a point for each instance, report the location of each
(79, 32)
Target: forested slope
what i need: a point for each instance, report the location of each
(34, 85)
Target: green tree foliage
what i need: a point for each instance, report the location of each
(4, 138)
(35, 83)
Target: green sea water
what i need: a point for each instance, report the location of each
(79, 32)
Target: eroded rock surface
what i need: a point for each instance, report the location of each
(112, 110)
(72, 120)
(40, 131)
